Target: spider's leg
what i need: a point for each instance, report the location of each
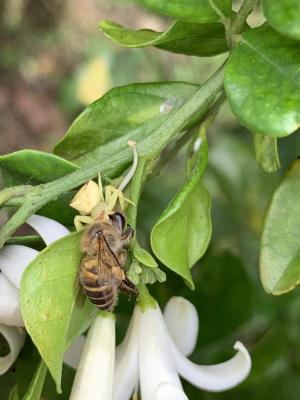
(79, 220)
(101, 197)
(111, 197)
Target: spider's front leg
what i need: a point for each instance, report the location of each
(79, 220)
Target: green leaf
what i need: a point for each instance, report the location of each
(34, 167)
(280, 245)
(143, 256)
(266, 153)
(267, 102)
(130, 112)
(26, 366)
(49, 390)
(185, 38)
(198, 11)
(48, 304)
(283, 16)
(36, 386)
(181, 235)
(14, 394)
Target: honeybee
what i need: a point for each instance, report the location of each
(102, 268)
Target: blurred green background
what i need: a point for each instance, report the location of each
(53, 62)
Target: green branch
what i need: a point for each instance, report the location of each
(193, 110)
(239, 21)
(16, 192)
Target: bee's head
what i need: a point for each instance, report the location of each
(118, 220)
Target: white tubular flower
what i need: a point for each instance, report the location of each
(126, 369)
(73, 354)
(182, 321)
(13, 261)
(153, 356)
(162, 346)
(15, 339)
(169, 391)
(156, 363)
(95, 373)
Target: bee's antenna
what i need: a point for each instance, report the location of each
(131, 172)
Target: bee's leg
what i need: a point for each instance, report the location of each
(122, 256)
(127, 286)
(79, 220)
(127, 235)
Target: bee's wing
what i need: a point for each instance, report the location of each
(109, 267)
(78, 293)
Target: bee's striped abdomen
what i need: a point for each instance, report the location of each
(103, 294)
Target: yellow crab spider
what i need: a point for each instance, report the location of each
(93, 205)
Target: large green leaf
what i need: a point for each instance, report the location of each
(48, 301)
(191, 10)
(280, 244)
(182, 233)
(131, 112)
(184, 38)
(34, 167)
(283, 16)
(267, 102)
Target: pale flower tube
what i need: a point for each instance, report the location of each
(182, 321)
(15, 339)
(153, 356)
(126, 367)
(95, 374)
(13, 261)
(156, 363)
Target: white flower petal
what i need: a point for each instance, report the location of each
(94, 376)
(156, 363)
(168, 391)
(126, 368)
(13, 261)
(215, 378)
(15, 338)
(182, 321)
(10, 311)
(73, 354)
(47, 228)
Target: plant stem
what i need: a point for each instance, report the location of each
(13, 191)
(136, 189)
(31, 241)
(238, 23)
(145, 299)
(192, 111)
